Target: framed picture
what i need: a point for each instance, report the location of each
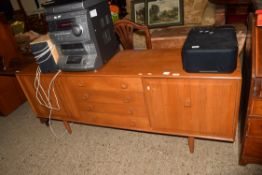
(158, 13)
(139, 11)
(164, 13)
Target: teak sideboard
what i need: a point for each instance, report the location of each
(145, 91)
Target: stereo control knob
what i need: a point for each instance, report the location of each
(77, 30)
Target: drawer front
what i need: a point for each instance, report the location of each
(114, 115)
(256, 107)
(106, 83)
(87, 109)
(112, 97)
(254, 128)
(253, 148)
(117, 121)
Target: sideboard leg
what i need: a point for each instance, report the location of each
(67, 126)
(44, 121)
(242, 162)
(191, 142)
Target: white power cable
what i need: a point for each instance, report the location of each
(51, 86)
(44, 52)
(41, 51)
(45, 101)
(48, 57)
(42, 97)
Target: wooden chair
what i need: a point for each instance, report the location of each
(125, 28)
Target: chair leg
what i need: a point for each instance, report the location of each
(67, 126)
(191, 144)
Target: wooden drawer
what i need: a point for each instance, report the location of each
(114, 115)
(106, 83)
(254, 128)
(256, 107)
(117, 121)
(111, 97)
(253, 148)
(97, 109)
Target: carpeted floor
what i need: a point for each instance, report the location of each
(29, 147)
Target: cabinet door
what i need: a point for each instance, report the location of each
(27, 84)
(203, 108)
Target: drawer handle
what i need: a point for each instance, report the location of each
(90, 108)
(85, 96)
(187, 103)
(81, 84)
(124, 86)
(127, 100)
(130, 112)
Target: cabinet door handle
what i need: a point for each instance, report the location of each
(85, 96)
(187, 103)
(148, 88)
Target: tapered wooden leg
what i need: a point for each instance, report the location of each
(44, 121)
(242, 162)
(191, 142)
(67, 126)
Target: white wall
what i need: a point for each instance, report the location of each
(29, 6)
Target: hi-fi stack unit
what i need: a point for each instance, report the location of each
(83, 33)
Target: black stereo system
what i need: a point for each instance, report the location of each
(210, 49)
(83, 33)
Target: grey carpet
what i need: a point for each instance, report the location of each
(28, 147)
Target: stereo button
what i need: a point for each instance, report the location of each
(77, 30)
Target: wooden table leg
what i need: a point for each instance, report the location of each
(67, 126)
(191, 142)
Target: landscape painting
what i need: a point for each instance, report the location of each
(164, 13)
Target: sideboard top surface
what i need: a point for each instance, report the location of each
(146, 63)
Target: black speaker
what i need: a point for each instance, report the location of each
(210, 49)
(45, 54)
